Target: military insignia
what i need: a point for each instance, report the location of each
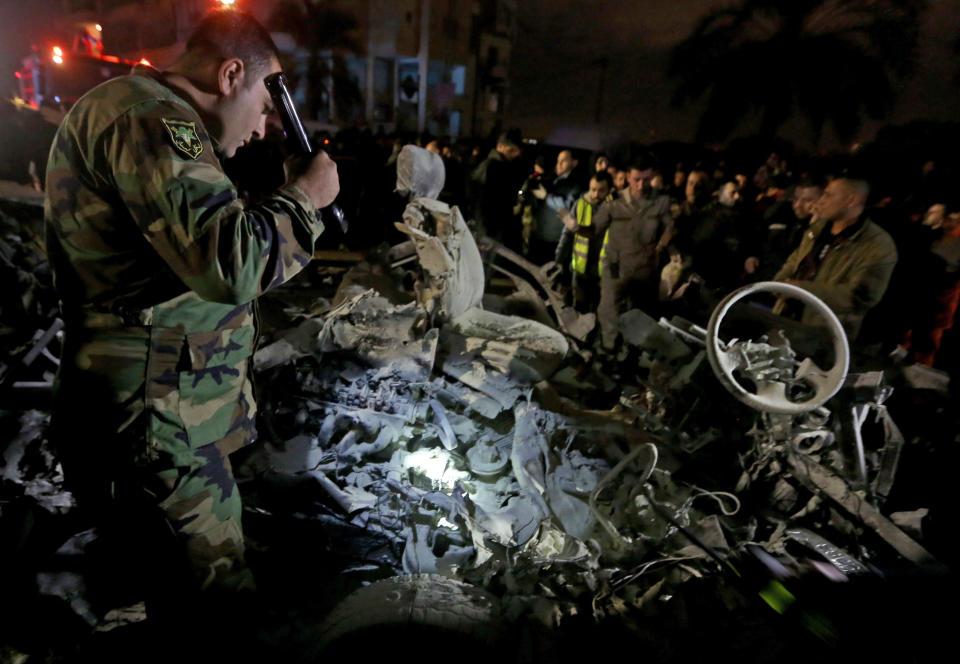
(184, 137)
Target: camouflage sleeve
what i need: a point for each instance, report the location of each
(164, 167)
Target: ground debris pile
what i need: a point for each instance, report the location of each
(29, 470)
(433, 427)
(490, 449)
(28, 304)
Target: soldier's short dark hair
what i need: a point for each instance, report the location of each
(229, 33)
(511, 137)
(603, 176)
(644, 162)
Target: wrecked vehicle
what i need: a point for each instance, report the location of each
(494, 449)
(483, 478)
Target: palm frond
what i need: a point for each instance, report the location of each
(832, 60)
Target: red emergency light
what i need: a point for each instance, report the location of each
(58, 55)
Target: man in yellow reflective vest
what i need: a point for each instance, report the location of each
(585, 258)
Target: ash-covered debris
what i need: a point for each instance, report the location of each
(430, 428)
(28, 304)
(23, 265)
(450, 262)
(491, 448)
(29, 470)
(500, 356)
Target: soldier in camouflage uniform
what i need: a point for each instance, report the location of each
(158, 265)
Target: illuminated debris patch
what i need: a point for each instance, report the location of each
(463, 454)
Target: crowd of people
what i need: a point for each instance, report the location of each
(673, 237)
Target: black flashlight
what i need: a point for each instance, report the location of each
(297, 140)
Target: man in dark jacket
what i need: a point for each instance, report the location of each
(496, 180)
(845, 259)
(781, 231)
(560, 194)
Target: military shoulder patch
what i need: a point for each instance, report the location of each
(184, 137)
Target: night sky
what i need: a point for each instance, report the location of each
(554, 87)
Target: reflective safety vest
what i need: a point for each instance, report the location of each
(581, 242)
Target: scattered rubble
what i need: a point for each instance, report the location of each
(29, 469)
(495, 449)
(28, 305)
(498, 451)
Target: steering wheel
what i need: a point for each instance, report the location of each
(774, 368)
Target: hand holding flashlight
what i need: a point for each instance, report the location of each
(316, 176)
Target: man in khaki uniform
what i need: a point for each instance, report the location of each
(635, 227)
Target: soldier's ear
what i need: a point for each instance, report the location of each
(230, 75)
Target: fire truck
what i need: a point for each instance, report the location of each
(51, 80)
(52, 76)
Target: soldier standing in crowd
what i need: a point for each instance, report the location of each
(158, 265)
(640, 227)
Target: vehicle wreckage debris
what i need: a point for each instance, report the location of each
(548, 508)
(494, 450)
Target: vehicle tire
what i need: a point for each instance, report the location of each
(391, 616)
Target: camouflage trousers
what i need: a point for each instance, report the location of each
(204, 509)
(174, 517)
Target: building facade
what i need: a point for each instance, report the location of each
(437, 66)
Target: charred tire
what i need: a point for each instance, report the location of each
(419, 611)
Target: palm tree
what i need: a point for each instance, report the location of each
(830, 60)
(325, 32)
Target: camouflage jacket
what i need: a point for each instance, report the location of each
(158, 264)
